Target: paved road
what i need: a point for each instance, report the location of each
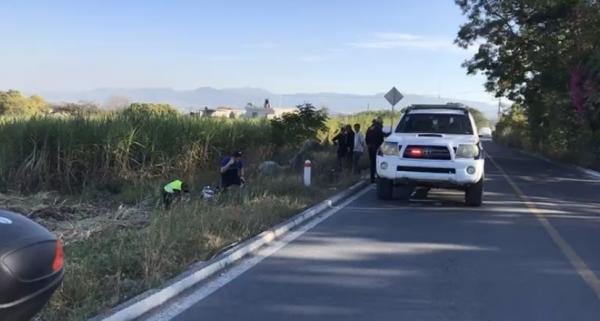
(436, 259)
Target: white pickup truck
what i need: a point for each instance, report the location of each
(432, 146)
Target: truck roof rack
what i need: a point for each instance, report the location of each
(454, 106)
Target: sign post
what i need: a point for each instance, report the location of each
(393, 97)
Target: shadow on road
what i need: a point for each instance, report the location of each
(431, 259)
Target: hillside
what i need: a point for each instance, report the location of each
(238, 97)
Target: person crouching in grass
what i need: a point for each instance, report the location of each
(173, 191)
(232, 170)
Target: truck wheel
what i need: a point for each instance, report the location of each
(474, 194)
(405, 191)
(421, 192)
(385, 188)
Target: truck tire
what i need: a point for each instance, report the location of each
(474, 194)
(421, 192)
(405, 192)
(385, 189)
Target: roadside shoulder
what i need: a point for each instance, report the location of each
(586, 171)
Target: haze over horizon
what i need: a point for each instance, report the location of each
(348, 47)
(195, 99)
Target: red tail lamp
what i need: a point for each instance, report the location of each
(31, 267)
(59, 257)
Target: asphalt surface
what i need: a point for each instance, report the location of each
(436, 259)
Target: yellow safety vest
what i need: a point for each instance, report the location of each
(173, 186)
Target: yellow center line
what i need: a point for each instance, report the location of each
(580, 266)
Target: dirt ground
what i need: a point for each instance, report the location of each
(73, 221)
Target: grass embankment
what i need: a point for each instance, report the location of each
(126, 159)
(112, 266)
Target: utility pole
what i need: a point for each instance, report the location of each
(499, 108)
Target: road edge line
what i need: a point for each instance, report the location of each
(576, 261)
(151, 299)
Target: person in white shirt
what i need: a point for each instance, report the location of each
(359, 148)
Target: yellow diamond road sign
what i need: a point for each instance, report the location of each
(393, 96)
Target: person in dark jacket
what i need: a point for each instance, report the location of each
(350, 143)
(341, 140)
(232, 170)
(374, 138)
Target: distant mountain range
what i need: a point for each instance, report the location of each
(190, 100)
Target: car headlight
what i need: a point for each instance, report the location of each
(389, 149)
(467, 151)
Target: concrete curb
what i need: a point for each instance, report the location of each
(583, 170)
(148, 301)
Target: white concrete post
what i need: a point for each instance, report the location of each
(307, 170)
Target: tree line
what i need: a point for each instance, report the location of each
(545, 57)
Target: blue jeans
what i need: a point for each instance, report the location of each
(355, 161)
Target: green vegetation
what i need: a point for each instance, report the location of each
(480, 119)
(143, 142)
(140, 111)
(74, 153)
(117, 264)
(121, 159)
(544, 56)
(512, 130)
(13, 103)
(295, 128)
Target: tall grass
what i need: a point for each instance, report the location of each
(69, 153)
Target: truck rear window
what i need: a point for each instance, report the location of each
(435, 123)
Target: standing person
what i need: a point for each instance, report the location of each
(373, 139)
(341, 140)
(359, 148)
(232, 170)
(350, 139)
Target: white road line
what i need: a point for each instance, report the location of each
(180, 305)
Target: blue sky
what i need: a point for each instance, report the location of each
(284, 46)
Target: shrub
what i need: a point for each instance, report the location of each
(512, 129)
(295, 128)
(13, 103)
(141, 111)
